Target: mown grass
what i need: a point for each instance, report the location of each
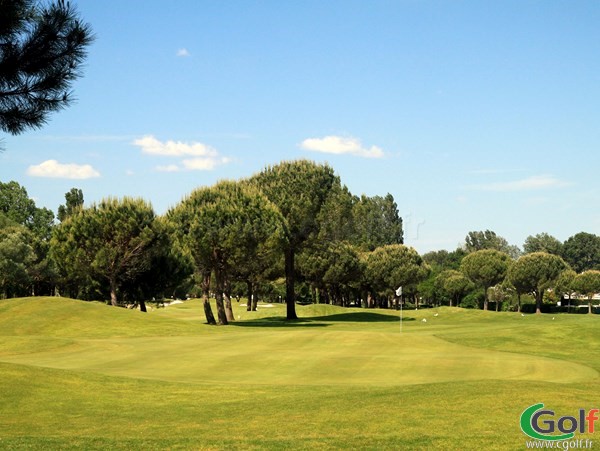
(88, 376)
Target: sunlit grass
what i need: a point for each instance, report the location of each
(80, 375)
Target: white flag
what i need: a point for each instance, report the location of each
(399, 291)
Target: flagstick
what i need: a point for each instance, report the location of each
(400, 313)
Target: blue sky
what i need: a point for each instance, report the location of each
(474, 115)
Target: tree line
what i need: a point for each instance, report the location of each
(292, 232)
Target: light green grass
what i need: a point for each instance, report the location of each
(81, 375)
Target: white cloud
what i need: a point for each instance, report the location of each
(203, 157)
(339, 145)
(535, 182)
(54, 169)
(150, 145)
(183, 53)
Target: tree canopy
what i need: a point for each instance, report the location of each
(299, 189)
(542, 242)
(393, 266)
(226, 227)
(42, 48)
(294, 223)
(582, 251)
(587, 284)
(485, 268)
(74, 201)
(488, 239)
(535, 273)
(113, 241)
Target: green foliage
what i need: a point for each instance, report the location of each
(335, 219)
(17, 207)
(74, 201)
(455, 284)
(113, 242)
(299, 189)
(231, 229)
(476, 241)
(442, 259)
(17, 256)
(376, 222)
(564, 282)
(23, 223)
(42, 48)
(15, 203)
(535, 273)
(588, 284)
(473, 300)
(389, 267)
(582, 251)
(542, 242)
(334, 266)
(170, 267)
(485, 268)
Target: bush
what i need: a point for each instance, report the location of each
(472, 300)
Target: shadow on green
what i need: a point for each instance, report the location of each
(278, 321)
(322, 321)
(361, 317)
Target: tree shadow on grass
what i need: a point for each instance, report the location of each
(322, 321)
(361, 317)
(278, 321)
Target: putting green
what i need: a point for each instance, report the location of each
(296, 356)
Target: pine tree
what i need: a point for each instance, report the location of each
(42, 48)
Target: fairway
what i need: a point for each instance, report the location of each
(87, 375)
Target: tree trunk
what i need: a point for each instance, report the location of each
(113, 292)
(228, 307)
(250, 299)
(254, 301)
(518, 302)
(485, 298)
(539, 295)
(590, 305)
(369, 300)
(143, 307)
(210, 318)
(290, 294)
(221, 314)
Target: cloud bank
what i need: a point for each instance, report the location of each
(339, 145)
(54, 169)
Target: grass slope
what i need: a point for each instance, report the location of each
(81, 375)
